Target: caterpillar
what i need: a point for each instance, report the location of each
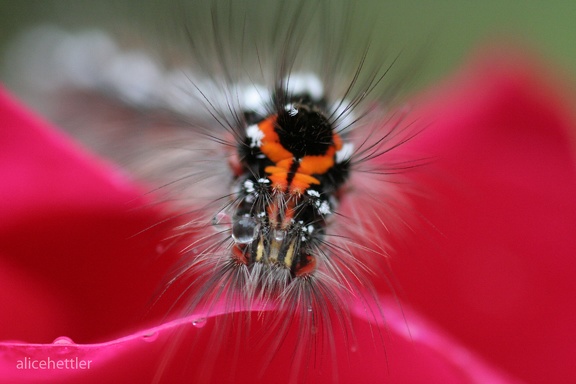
(274, 140)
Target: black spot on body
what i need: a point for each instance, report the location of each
(304, 133)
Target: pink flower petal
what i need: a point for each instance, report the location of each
(496, 265)
(422, 355)
(71, 263)
(76, 270)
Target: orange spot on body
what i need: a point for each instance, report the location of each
(308, 268)
(271, 146)
(239, 255)
(301, 182)
(317, 165)
(284, 160)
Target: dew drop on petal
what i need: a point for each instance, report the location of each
(220, 217)
(199, 323)
(63, 340)
(64, 344)
(149, 337)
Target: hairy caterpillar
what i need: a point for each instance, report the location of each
(270, 145)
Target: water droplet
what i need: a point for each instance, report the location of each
(245, 230)
(199, 323)
(63, 340)
(279, 234)
(220, 218)
(64, 344)
(309, 308)
(149, 337)
(353, 348)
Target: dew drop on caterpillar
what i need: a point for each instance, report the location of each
(271, 135)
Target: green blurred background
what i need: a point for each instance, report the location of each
(450, 29)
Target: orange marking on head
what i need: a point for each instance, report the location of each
(283, 160)
(271, 146)
(285, 164)
(279, 179)
(275, 151)
(317, 165)
(272, 169)
(267, 127)
(300, 181)
(304, 180)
